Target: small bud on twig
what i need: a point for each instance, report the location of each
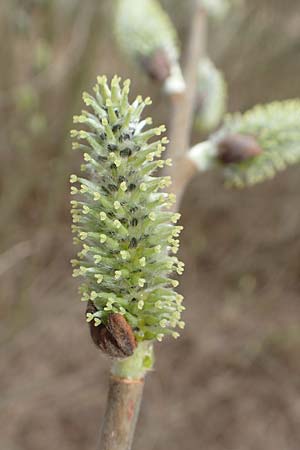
(157, 65)
(236, 148)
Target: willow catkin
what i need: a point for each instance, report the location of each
(128, 237)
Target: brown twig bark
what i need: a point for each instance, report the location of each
(121, 415)
(183, 107)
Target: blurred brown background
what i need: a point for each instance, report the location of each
(232, 382)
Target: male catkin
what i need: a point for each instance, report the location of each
(128, 237)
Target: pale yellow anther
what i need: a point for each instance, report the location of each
(102, 79)
(127, 83)
(73, 134)
(85, 297)
(76, 273)
(123, 186)
(150, 157)
(141, 304)
(116, 80)
(84, 252)
(79, 119)
(89, 317)
(99, 278)
(142, 261)
(83, 134)
(108, 307)
(74, 190)
(118, 274)
(97, 322)
(160, 130)
(179, 299)
(124, 254)
(73, 178)
(163, 323)
(165, 182)
(141, 282)
(175, 217)
(172, 198)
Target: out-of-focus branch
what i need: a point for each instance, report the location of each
(14, 255)
(183, 106)
(64, 64)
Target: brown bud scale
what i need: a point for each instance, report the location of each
(236, 148)
(157, 65)
(116, 338)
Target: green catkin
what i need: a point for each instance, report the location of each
(142, 28)
(212, 97)
(128, 238)
(275, 127)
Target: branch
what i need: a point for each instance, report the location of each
(14, 255)
(183, 106)
(121, 415)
